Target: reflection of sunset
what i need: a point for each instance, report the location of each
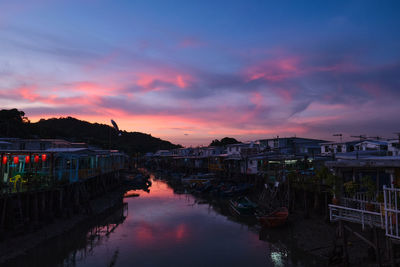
(160, 234)
(150, 217)
(181, 231)
(144, 233)
(158, 190)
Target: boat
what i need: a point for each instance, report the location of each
(197, 179)
(235, 190)
(243, 206)
(275, 219)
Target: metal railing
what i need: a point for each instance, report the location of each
(361, 203)
(391, 211)
(363, 217)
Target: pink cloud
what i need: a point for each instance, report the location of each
(27, 93)
(274, 70)
(265, 131)
(91, 88)
(372, 89)
(149, 81)
(32, 94)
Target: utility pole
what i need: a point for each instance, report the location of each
(398, 135)
(376, 137)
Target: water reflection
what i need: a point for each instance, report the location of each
(161, 228)
(75, 246)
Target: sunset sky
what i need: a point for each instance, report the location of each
(192, 71)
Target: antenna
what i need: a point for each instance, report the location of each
(398, 134)
(339, 134)
(115, 127)
(376, 137)
(361, 136)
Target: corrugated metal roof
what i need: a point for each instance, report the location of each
(66, 149)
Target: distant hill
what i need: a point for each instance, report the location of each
(14, 124)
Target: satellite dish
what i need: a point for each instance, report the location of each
(115, 127)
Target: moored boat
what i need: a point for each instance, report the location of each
(198, 179)
(243, 206)
(275, 219)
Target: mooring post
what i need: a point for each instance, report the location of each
(377, 250)
(35, 208)
(60, 204)
(50, 204)
(43, 206)
(391, 253)
(3, 214)
(344, 238)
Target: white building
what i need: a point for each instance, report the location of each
(242, 149)
(330, 148)
(375, 145)
(394, 147)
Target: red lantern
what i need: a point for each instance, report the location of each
(27, 159)
(16, 160)
(44, 157)
(5, 160)
(36, 159)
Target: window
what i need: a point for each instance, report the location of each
(22, 146)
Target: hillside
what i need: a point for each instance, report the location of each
(14, 124)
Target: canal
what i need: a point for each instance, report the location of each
(161, 228)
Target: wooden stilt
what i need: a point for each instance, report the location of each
(60, 204)
(3, 214)
(43, 205)
(344, 239)
(377, 250)
(35, 208)
(391, 253)
(50, 204)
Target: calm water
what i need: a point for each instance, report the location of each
(161, 228)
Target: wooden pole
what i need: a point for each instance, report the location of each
(377, 250)
(344, 238)
(391, 254)
(3, 213)
(35, 208)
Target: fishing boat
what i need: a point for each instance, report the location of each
(243, 206)
(235, 190)
(275, 219)
(197, 179)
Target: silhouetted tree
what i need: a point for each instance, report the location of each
(224, 141)
(13, 123)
